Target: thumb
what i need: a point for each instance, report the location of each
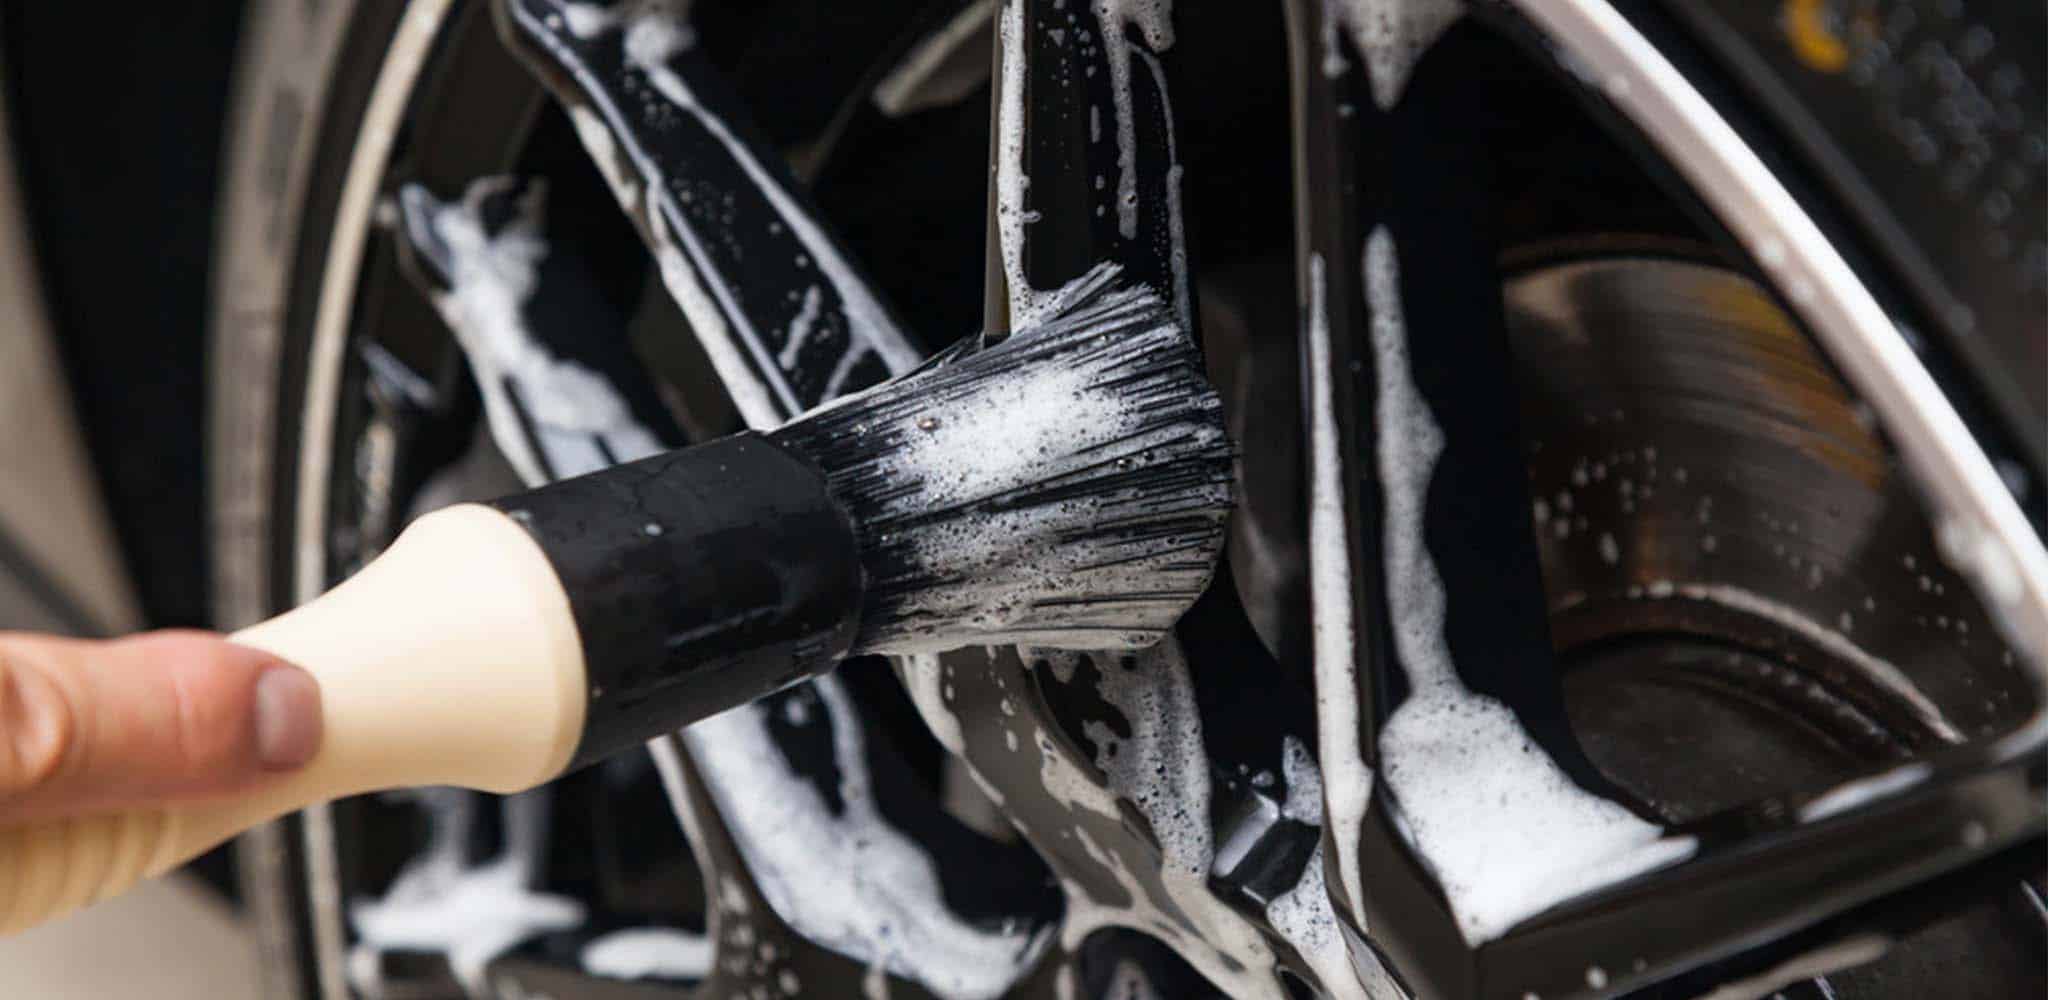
(89, 726)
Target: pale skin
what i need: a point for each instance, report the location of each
(90, 726)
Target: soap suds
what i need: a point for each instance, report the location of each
(1162, 767)
(654, 34)
(471, 913)
(574, 413)
(1302, 915)
(800, 328)
(846, 880)
(923, 675)
(641, 952)
(1012, 184)
(1176, 228)
(1154, 21)
(1507, 833)
(1334, 636)
(1304, 783)
(1391, 35)
(1171, 789)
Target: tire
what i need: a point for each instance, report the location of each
(306, 106)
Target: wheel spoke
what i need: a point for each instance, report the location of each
(787, 319)
(563, 395)
(1433, 656)
(1107, 761)
(1087, 169)
(789, 323)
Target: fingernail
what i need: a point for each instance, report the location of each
(287, 717)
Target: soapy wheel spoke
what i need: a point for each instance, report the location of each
(787, 318)
(785, 799)
(1101, 759)
(1430, 633)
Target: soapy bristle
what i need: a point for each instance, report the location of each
(1066, 486)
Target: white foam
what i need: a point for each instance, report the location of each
(653, 35)
(640, 952)
(848, 880)
(1333, 634)
(1507, 833)
(1157, 699)
(1391, 35)
(1154, 21)
(1303, 916)
(1161, 767)
(1008, 571)
(923, 677)
(491, 277)
(471, 913)
(1013, 213)
(800, 327)
(1176, 227)
(1304, 783)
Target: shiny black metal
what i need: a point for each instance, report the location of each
(1397, 174)
(665, 164)
(1080, 190)
(566, 313)
(713, 200)
(1763, 875)
(700, 579)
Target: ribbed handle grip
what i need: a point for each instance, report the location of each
(50, 869)
(452, 659)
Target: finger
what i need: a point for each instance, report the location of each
(96, 725)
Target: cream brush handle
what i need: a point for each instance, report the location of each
(452, 659)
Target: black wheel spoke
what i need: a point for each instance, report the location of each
(562, 390)
(1101, 758)
(790, 783)
(1431, 634)
(787, 317)
(1087, 170)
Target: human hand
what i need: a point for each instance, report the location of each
(96, 725)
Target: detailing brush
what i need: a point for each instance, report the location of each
(1066, 486)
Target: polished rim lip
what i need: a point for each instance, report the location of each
(404, 59)
(1616, 61)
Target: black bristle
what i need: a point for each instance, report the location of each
(985, 516)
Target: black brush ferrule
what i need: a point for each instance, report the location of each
(700, 580)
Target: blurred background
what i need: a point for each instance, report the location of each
(112, 139)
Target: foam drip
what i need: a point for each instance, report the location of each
(1507, 833)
